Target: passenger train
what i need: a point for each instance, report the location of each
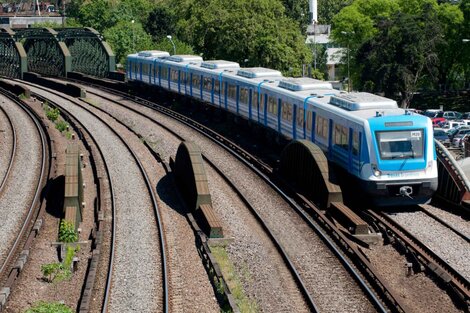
(387, 151)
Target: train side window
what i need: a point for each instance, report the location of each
(243, 95)
(254, 100)
(232, 91)
(156, 70)
(216, 86)
(145, 69)
(196, 81)
(183, 77)
(165, 72)
(272, 105)
(286, 111)
(262, 102)
(309, 120)
(355, 143)
(322, 127)
(300, 117)
(341, 136)
(174, 76)
(207, 84)
(136, 68)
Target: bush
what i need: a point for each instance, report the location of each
(67, 232)
(51, 271)
(52, 114)
(61, 126)
(49, 307)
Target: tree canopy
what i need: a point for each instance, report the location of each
(398, 47)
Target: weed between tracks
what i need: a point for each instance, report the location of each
(244, 303)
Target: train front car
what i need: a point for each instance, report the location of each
(403, 166)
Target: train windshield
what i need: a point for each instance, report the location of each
(403, 144)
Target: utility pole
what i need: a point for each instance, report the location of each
(312, 16)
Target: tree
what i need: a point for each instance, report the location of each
(181, 47)
(126, 38)
(254, 30)
(327, 9)
(401, 54)
(298, 11)
(160, 23)
(449, 51)
(96, 14)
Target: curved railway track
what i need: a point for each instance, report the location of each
(23, 241)
(248, 159)
(161, 240)
(13, 150)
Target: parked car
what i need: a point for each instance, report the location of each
(466, 116)
(457, 140)
(441, 135)
(431, 112)
(438, 118)
(452, 115)
(457, 131)
(452, 124)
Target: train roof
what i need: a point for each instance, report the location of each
(184, 58)
(303, 83)
(219, 64)
(258, 72)
(153, 54)
(357, 106)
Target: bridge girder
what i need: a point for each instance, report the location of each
(52, 52)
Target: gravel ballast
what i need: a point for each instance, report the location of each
(441, 240)
(136, 282)
(21, 185)
(325, 277)
(6, 142)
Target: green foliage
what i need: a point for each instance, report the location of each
(160, 23)
(61, 126)
(256, 30)
(67, 232)
(51, 113)
(402, 54)
(126, 37)
(69, 254)
(49, 307)
(327, 9)
(181, 47)
(54, 272)
(233, 280)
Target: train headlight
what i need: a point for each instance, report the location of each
(375, 170)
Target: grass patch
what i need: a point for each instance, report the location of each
(245, 304)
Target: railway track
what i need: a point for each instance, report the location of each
(445, 223)
(358, 277)
(121, 291)
(8, 161)
(424, 255)
(29, 173)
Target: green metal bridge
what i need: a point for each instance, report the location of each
(54, 52)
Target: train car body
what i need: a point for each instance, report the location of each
(387, 153)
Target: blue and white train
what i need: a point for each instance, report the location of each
(389, 152)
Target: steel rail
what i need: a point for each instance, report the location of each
(41, 180)
(154, 203)
(428, 257)
(262, 170)
(270, 234)
(71, 119)
(440, 220)
(13, 151)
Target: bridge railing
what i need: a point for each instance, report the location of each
(454, 186)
